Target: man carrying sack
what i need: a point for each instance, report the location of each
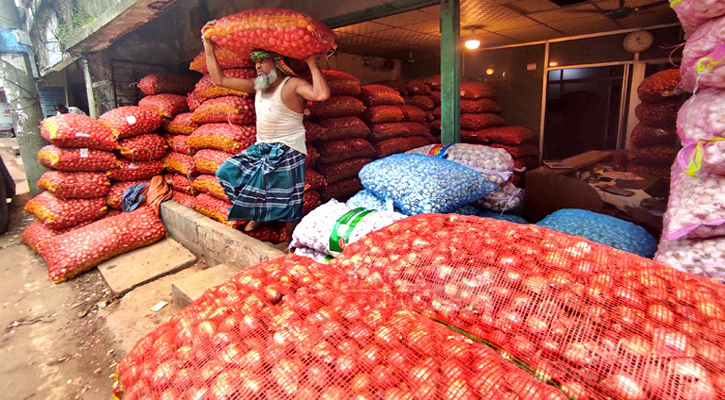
(266, 181)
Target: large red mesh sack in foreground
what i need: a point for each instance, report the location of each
(225, 58)
(379, 95)
(287, 32)
(75, 185)
(344, 169)
(293, 329)
(476, 122)
(135, 170)
(77, 130)
(115, 195)
(593, 320)
(167, 105)
(343, 128)
(659, 87)
(215, 209)
(221, 136)
(181, 124)
(57, 213)
(145, 147)
(131, 121)
(336, 107)
(207, 161)
(77, 251)
(167, 83)
(232, 109)
(64, 159)
(338, 150)
(180, 163)
(206, 89)
(207, 183)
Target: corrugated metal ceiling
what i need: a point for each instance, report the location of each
(505, 22)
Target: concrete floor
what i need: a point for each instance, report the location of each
(62, 341)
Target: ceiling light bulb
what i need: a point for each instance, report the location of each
(472, 44)
(489, 71)
(553, 64)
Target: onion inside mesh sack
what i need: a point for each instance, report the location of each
(321, 258)
(496, 164)
(506, 198)
(696, 208)
(705, 257)
(315, 229)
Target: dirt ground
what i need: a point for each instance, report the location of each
(54, 343)
(63, 341)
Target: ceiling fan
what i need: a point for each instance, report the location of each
(622, 12)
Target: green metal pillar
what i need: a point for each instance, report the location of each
(450, 71)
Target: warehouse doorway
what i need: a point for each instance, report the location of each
(584, 109)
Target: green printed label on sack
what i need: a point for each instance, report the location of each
(344, 226)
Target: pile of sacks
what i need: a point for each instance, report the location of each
(653, 140)
(693, 239)
(466, 179)
(481, 121)
(358, 125)
(92, 162)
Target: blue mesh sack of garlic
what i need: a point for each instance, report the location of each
(418, 184)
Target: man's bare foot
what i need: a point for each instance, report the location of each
(251, 225)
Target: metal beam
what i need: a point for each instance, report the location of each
(384, 10)
(450, 71)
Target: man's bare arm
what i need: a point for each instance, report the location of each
(318, 90)
(240, 84)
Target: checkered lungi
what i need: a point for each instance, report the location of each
(265, 182)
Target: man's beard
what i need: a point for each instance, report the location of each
(264, 81)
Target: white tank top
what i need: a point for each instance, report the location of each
(276, 123)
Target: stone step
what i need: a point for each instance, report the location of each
(125, 272)
(186, 290)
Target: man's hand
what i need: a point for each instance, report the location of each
(206, 27)
(312, 60)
